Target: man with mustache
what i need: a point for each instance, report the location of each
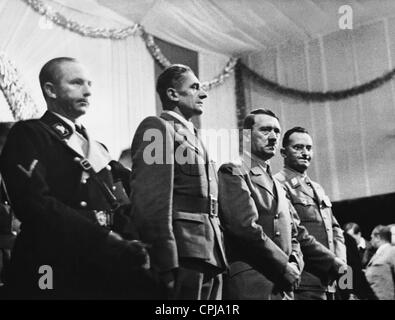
(69, 195)
(264, 242)
(313, 207)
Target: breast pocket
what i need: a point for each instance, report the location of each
(305, 207)
(189, 161)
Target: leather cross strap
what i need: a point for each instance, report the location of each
(112, 199)
(85, 164)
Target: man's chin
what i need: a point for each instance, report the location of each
(198, 111)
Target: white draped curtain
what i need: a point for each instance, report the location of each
(122, 71)
(354, 138)
(219, 114)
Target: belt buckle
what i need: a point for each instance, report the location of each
(213, 206)
(85, 164)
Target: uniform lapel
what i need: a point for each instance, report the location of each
(96, 153)
(63, 132)
(260, 177)
(182, 133)
(297, 183)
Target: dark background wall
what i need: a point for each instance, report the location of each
(367, 212)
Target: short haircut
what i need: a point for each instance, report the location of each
(383, 232)
(249, 121)
(291, 131)
(170, 78)
(48, 72)
(353, 227)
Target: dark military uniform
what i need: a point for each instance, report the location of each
(56, 193)
(315, 211)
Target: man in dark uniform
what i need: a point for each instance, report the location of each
(313, 206)
(69, 194)
(174, 192)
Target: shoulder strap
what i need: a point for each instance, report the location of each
(111, 198)
(3, 190)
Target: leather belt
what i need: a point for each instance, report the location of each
(196, 204)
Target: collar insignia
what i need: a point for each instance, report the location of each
(294, 182)
(61, 130)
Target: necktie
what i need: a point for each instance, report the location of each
(81, 130)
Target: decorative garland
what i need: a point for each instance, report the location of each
(120, 34)
(154, 49)
(21, 104)
(83, 30)
(220, 79)
(317, 96)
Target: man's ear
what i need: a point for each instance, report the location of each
(49, 90)
(283, 153)
(172, 94)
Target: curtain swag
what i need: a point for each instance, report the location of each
(316, 96)
(120, 34)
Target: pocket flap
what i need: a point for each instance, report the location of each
(305, 201)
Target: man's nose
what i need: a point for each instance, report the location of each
(202, 94)
(86, 90)
(273, 135)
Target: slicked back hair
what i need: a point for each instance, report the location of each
(249, 121)
(48, 72)
(170, 78)
(291, 131)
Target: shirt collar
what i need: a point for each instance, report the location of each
(185, 122)
(382, 247)
(262, 163)
(68, 121)
(294, 172)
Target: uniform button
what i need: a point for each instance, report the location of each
(83, 181)
(210, 179)
(108, 167)
(277, 216)
(327, 229)
(114, 187)
(77, 159)
(83, 204)
(277, 233)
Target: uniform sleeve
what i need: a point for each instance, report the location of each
(317, 258)
(338, 240)
(296, 254)
(239, 216)
(152, 191)
(24, 170)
